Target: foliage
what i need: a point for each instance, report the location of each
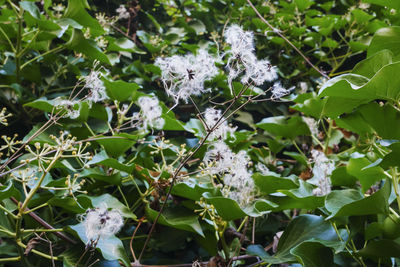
(236, 174)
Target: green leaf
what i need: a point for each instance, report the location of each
(120, 90)
(192, 189)
(313, 254)
(351, 202)
(111, 202)
(7, 191)
(311, 107)
(283, 127)
(270, 183)
(103, 159)
(76, 11)
(301, 229)
(98, 174)
(31, 8)
(386, 38)
(340, 177)
(89, 48)
(351, 90)
(370, 66)
(389, 4)
(178, 217)
(230, 210)
(124, 44)
(381, 249)
(117, 144)
(383, 119)
(367, 176)
(299, 198)
(392, 159)
(111, 248)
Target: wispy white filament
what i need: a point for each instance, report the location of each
(242, 58)
(233, 168)
(184, 76)
(211, 117)
(322, 170)
(150, 113)
(102, 223)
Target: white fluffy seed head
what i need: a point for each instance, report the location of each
(97, 90)
(233, 168)
(211, 117)
(184, 76)
(150, 113)
(242, 59)
(102, 223)
(279, 91)
(72, 107)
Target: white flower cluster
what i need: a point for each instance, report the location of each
(243, 59)
(97, 90)
(102, 223)
(184, 76)
(150, 113)
(211, 117)
(238, 183)
(322, 171)
(122, 12)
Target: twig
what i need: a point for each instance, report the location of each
(278, 32)
(183, 163)
(44, 223)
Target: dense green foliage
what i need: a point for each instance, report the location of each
(324, 159)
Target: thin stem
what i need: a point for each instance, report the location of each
(8, 39)
(10, 259)
(41, 230)
(56, 49)
(44, 255)
(8, 212)
(183, 163)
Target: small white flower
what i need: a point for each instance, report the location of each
(122, 12)
(211, 117)
(184, 76)
(150, 113)
(279, 91)
(102, 223)
(322, 170)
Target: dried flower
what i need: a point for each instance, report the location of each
(211, 117)
(243, 59)
(238, 183)
(97, 90)
(102, 223)
(184, 76)
(69, 106)
(278, 91)
(150, 113)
